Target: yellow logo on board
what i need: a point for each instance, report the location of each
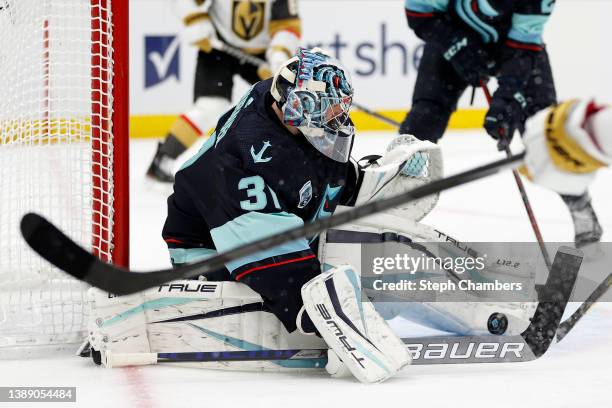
(248, 18)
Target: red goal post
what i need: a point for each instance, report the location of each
(110, 119)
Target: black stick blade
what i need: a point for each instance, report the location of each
(554, 297)
(54, 246)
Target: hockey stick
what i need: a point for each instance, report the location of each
(570, 322)
(521, 187)
(529, 345)
(239, 54)
(302, 358)
(50, 243)
(260, 63)
(377, 115)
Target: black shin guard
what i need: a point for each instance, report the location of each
(171, 147)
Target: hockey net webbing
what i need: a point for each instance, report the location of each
(56, 154)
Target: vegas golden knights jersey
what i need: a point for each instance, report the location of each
(247, 24)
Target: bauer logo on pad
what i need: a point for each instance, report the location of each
(162, 59)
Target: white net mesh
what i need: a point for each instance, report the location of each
(55, 157)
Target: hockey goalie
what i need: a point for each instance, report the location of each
(281, 158)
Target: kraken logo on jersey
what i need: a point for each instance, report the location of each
(248, 18)
(305, 194)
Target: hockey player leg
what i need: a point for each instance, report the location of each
(355, 332)
(436, 92)
(587, 229)
(541, 94)
(427, 120)
(566, 145)
(187, 128)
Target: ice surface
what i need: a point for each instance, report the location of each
(575, 373)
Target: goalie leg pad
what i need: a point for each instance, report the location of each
(345, 244)
(201, 117)
(192, 316)
(351, 327)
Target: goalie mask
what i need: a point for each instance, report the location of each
(315, 94)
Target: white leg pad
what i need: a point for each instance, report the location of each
(465, 318)
(192, 316)
(351, 327)
(206, 111)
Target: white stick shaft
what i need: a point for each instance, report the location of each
(128, 359)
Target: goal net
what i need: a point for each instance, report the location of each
(63, 151)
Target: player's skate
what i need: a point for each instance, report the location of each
(587, 229)
(161, 168)
(351, 327)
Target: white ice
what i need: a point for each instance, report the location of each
(575, 372)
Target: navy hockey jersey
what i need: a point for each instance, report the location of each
(516, 23)
(251, 179)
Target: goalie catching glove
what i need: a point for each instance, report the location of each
(408, 163)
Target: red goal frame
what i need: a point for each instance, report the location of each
(110, 129)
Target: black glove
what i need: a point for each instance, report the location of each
(506, 115)
(469, 59)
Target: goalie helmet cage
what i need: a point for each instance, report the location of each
(64, 106)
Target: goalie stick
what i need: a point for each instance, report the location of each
(54, 246)
(529, 345)
(570, 322)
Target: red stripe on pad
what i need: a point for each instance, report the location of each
(272, 265)
(191, 124)
(293, 31)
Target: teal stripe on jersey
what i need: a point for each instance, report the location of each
(188, 255)
(205, 147)
(244, 102)
(487, 32)
(487, 9)
(252, 226)
(426, 6)
(528, 28)
(215, 138)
